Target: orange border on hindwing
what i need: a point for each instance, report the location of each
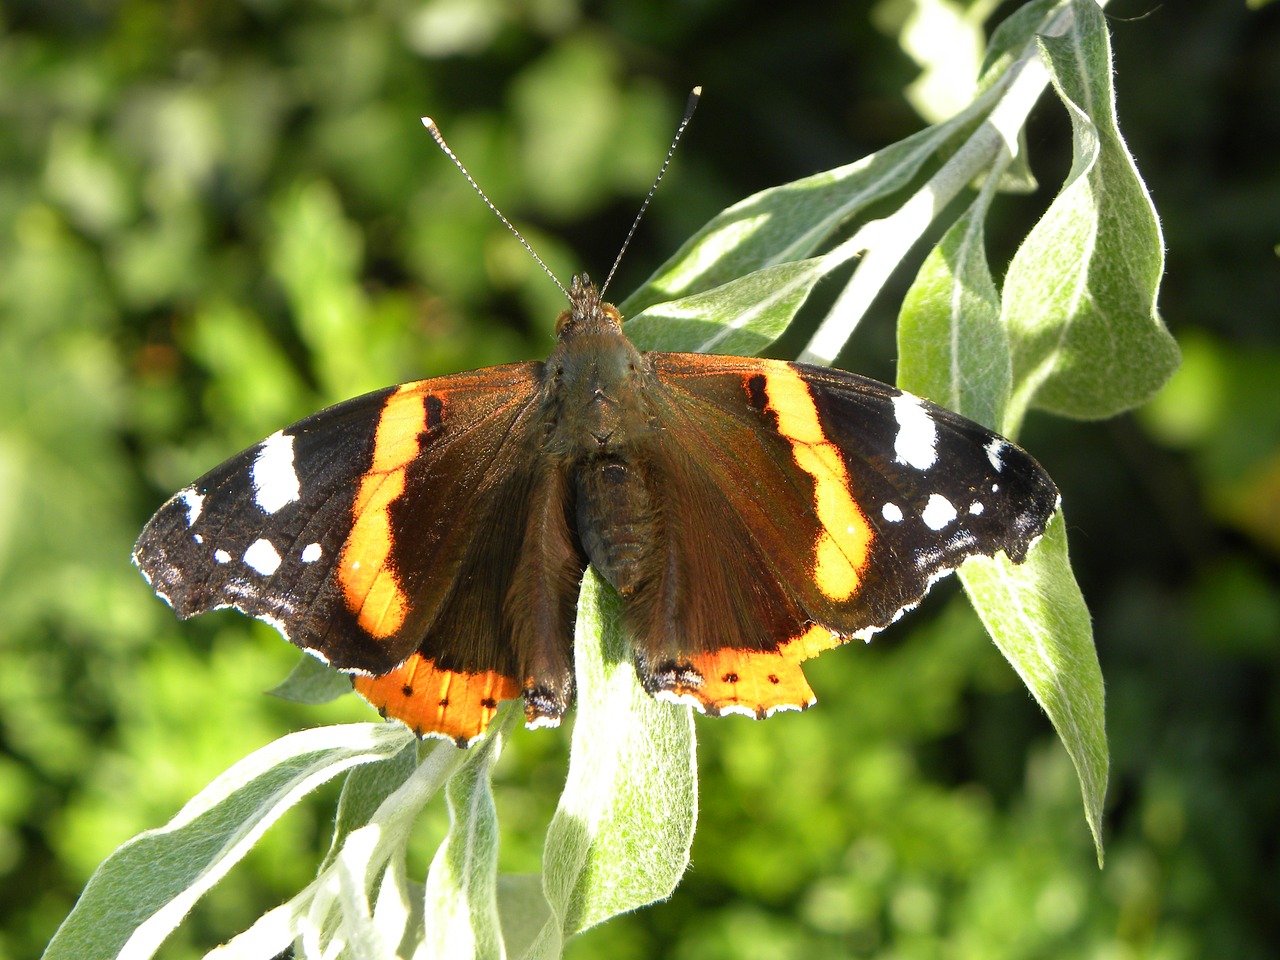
(757, 682)
(435, 702)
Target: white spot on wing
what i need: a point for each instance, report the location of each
(275, 481)
(194, 502)
(325, 660)
(892, 512)
(311, 553)
(222, 556)
(976, 508)
(938, 512)
(917, 441)
(262, 556)
(995, 453)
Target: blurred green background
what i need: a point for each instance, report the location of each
(219, 216)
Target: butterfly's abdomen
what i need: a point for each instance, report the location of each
(615, 519)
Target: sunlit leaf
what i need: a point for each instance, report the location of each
(621, 836)
(461, 913)
(1079, 297)
(789, 222)
(144, 889)
(951, 345)
(954, 350)
(1035, 613)
(361, 898)
(740, 318)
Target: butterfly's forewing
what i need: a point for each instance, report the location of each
(804, 506)
(301, 531)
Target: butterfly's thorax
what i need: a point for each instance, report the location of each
(597, 422)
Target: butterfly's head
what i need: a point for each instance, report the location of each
(587, 313)
(594, 377)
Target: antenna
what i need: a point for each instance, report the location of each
(691, 105)
(439, 139)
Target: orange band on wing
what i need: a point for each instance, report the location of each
(757, 682)
(843, 547)
(438, 703)
(369, 583)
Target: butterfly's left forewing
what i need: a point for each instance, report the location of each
(382, 535)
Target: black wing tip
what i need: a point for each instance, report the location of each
(1025, 541)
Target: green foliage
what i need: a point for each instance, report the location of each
(146, 887)
(1080, 293)
(217, 221)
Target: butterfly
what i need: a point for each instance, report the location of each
(430, 538)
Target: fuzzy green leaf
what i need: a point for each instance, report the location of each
(143, 890)
(312, 682)
(789, 222)
(951, 345)
(620, 838)
(1009, 39)
(361, 900)
(1037, 616)
(740, 317)
(461, 907)
(524, 911)
(370, 865)
(1079, 297)
(955, 349)
(364, 791)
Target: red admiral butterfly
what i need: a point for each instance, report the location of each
(430, 538)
